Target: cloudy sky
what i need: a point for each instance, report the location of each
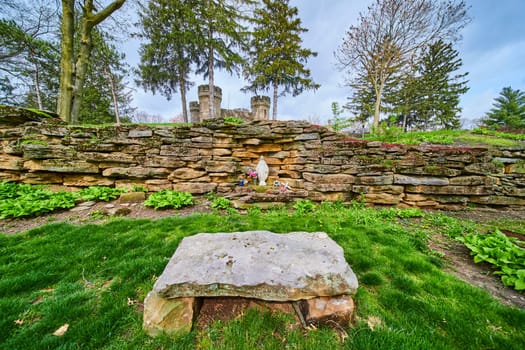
(492, 49)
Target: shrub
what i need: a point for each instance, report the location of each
(100, 193)
(18, 200)
(304, 206)
(169, 199)
(221, 203)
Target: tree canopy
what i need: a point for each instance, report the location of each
(276, 57)
(429, 95)
(508, 110)
(381, 48)
(170, 49)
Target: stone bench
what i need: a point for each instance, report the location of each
(299, 272)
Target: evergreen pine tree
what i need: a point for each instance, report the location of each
(508, 110)
(170, 48)
(440, 87)
(276, 57)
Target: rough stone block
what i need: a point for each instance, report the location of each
(474, 180)
(331, 187)
(186, 174)
(382, 198)
(162, 162)
(61, 166)
(266, 147)
(44, 151)
(375, 180)
(41, 178)
(8, 162)
(132, 197)
(195, 187)
(136, 172)
(257, 264)
(117, 157)
(140, 133)
(169, 316)
(329, 178)
(158, 185)
(451, 190)
(87, 180)
(411, 180)
(326, 310)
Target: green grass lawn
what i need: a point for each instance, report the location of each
(94, 277)
(477, 137)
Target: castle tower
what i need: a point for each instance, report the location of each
(260, 107)
(195, 112)
(204, 102)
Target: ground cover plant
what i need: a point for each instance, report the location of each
(169, 199)
(94, 278)
(446, 137)
(19, 200)
(502, 252)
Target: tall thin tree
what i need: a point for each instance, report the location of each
(276, 56)
(73, 71)
(390, 35)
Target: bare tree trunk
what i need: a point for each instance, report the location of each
(65, 96)
(72, 82)
(211, 82)
(37, 87)
(113, 88)
(81, 66)
(182, 88)
(275, 97)
(377, 107)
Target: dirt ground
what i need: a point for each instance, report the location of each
(456, 256)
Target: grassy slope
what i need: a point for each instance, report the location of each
(87, 276)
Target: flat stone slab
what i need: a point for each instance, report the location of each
(259, 265)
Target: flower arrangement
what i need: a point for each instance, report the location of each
(249, 176)
(252, 174)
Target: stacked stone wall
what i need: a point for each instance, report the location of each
(316, 163)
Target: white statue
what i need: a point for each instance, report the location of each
(262, 171)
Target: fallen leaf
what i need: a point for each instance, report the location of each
(37, 301)
(373, 322)
(60, 332)
(19, 322)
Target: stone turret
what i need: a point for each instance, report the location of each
(195, 112)
(200, 111)
(260, 107)
(204, 102)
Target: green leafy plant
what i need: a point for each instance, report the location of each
(138, 188)
(304, 206)
(502, 252)
(254, 210)
(100, 193)
(233, 120)
(221, 203)
(18, 200)
(169, 199)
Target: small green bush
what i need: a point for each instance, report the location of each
(18, 200)
(304, 206)
(221, 203)
(100, 193)
(502, 252)
(233, 120)
(169, 199)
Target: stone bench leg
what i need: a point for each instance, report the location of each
(169, 316)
